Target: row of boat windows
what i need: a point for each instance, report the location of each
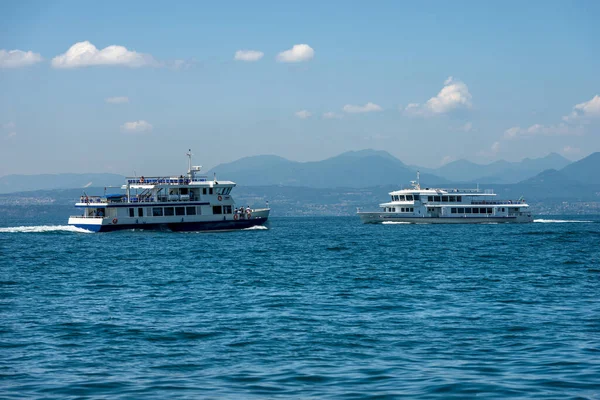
(445, 199)
(179, 211)
(473, 210)
(408, 197)
(400, 209)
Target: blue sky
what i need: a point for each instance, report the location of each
(429, 82)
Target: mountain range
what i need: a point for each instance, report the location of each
(356, 169)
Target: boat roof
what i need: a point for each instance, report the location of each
(150, 182)
(444, 192)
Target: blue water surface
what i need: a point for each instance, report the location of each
(308, 308)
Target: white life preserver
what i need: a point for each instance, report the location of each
(235, 216)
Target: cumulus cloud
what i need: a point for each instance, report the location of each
(18, 58)
(136, 126)
(85, 54)
(587, 109)
(248, 55)
(369, 107)
(298, 53)
(9, 125)
(303, 114)
(331, 115)
(468, 127)
(454, 95)
(542, 130)
(117, 100)
(493, 150)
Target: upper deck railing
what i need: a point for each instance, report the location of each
(158, 180)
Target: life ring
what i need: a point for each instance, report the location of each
(115, 220)
(220, 198)
(236, 217)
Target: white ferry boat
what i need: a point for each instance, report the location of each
(447, 206)
(184, 203)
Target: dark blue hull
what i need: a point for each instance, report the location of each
(180, 226)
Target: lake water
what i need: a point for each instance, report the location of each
(310, 307)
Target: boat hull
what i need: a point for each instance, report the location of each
(378, 218)
(228, 223)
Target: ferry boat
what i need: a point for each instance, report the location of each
(185, 203)
(447, 206)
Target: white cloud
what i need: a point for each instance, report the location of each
(117, 100)
(18, 58)
(298, 53)
(587, 109)
(468, 127)
(454, 95)
(303, 114)
(495, 147)
(571, 150)
(447, 159)
(369, 107)
(542, 130)
(85, 54)
(11, 135)
(136, 126)
(9, 125)
(248, 55)
(331, 115)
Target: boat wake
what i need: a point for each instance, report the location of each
(559, 221)
(43, 229)
(255, 228)
(395, 222)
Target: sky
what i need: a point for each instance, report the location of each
(128, 87)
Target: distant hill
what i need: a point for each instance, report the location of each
(586, 170)
(499, 171)
(351, 169)
(19, 183)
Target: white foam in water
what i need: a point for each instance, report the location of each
(255, 227)
(43, 228)
(557, 221)
(395, 222)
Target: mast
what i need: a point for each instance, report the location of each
(189, 154)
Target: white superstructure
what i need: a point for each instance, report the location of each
(179, 203)
(432, 205)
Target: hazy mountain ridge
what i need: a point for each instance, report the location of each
(356, 169)
(500, 171)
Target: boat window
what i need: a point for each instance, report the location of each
(412, 209)
(393, 198)
(409, 197)
(436, 198)
(445, 199)
(429, 198)
(475, 210)
(203, 190)
(140, 212)
(467, 211)
(402, 209)
(227, 210)
(459, 198)
(217, 210)
(502, 209)
(210, 190)
(451, 199)
(489, 211)
(131, 212)
(453, 210)
(179, 210)
(416, 196)
(402, 198)
(157, 212)
(183, 191)
(190, 210)
(169, 211)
